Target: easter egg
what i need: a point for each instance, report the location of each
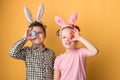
(70, 36)
(33, 33)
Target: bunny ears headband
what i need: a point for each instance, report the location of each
(71, 20)
(39, 14)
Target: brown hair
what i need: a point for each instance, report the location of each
(39, 24)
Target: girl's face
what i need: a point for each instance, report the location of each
(39, 38)
(66, 37)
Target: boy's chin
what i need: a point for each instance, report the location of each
(38, 43)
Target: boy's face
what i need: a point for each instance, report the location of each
(39, 38)
(66, 37)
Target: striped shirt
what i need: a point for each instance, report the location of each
(39, 61)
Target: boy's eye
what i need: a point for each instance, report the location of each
(40, 32)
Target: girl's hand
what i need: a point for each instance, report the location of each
(76, 35)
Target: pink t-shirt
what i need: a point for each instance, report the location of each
(72, 65)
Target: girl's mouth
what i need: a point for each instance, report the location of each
(68, 43)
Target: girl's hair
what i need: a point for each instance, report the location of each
(38, 24)
(58, 31)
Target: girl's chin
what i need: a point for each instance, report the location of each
(68, 47)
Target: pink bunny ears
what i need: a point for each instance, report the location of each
(72, 20)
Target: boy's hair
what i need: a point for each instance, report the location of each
(58, 31)
(38, 24)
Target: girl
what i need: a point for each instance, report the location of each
(71, 64)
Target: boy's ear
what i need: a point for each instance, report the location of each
(28, 14)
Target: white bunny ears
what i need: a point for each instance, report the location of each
(39, 13)
(72, 20)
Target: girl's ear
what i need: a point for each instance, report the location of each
(59, 21)
(73, 18)
(28, 14)
(40, 12)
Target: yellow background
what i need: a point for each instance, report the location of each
(99, 21)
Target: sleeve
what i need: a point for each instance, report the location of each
(57, 63)
(17, 51)
(83, 52)
(52, 58)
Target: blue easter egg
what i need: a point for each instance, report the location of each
(34, 33)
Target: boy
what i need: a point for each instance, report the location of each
(39, 60)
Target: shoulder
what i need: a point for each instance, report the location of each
(60, 57)
(58, 61)
(26, 47)
(51, 52)
(81, 51)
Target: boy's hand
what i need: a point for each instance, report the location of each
(27, 34)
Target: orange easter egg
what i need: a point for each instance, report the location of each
(70, 36)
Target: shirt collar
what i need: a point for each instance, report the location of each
(34, 47)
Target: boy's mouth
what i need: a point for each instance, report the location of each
(36, 38)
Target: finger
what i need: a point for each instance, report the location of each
(73, 30)
(76, 30)
(31, 28)
(72, 40)
(29, 31)
(26, 33)
(31, 38)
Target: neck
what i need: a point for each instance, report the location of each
(70, 50)
(39, 46)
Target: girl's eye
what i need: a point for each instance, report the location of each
(63, 37)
